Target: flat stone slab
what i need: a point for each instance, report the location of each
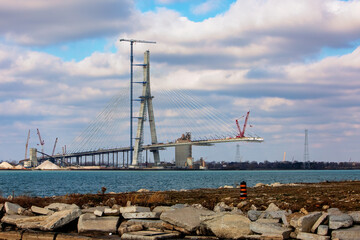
(306, 222)
(318, 222)
(229, 226)
(88, 222)
(146, 223)
(13, 208)
(187, 218)
(60, 219)
(270, 228)
(111, 212)
(41, 211)
(142, 215)
(61, 206)
(38, 235)
(311, 236)
(134, 209)
(71, 236)
(340, 221)
(10, 235)
(24, 222)
(149, 235)
(352, 233)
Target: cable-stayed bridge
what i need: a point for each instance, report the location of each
(181, 121)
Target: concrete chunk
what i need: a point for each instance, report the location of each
(88, 222)
(134, 209)
(60, 219)
(61, 206)
(318, 222)
(311, 236)
(111, 212)
(306, 222)
(340, 221)
(187, 218)
(41, 211)
(24, 222)
(352, 233)
(13, 208)
(141, 215)
(98, 212)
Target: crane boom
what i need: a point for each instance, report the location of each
(41, 141)
(27, 144)
(54, 147)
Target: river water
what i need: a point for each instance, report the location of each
(50, 183)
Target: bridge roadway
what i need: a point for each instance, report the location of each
(160, 146)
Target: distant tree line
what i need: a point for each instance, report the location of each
(266, 165)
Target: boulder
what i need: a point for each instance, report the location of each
(355, 216)
(13, 208)
(306, 222)
(222, 207)
(89, 222)
(142, 215)
(41, 211)
(311, 236)
(61, 206)
(337, 221)
(227, 225)
(333, 211)
(187, 218)
(270, 228)
(60, 219)
(134, 209)
(272, 207)
(323, 230)
(352, 233)
(318, 222)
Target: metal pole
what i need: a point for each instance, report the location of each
(131, 98)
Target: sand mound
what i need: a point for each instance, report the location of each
(19, 167)
(47, 165)
(6, 165)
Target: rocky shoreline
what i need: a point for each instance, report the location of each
(113, 219)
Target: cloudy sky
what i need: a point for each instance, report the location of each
(294, 63)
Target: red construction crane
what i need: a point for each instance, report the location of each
(27, 144)
(41, 141)
(242, 133)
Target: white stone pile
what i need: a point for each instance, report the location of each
(183, 221)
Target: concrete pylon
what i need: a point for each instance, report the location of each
(145, 103)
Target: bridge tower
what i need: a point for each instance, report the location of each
(145, 105)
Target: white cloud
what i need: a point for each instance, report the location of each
(206, 7)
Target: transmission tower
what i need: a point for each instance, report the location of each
(306, 149)
(237, 155)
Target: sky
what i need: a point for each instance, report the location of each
(295, 64)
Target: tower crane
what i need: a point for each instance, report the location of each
(242, 133)
(27, 144)
(41, 141)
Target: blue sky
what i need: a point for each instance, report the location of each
(295, 64)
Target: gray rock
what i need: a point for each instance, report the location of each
(265, 220)
(146, 215)
(187, 218)
(311, 236)
(149, 235)
(285, 221)
(41, 211)
(318, 222)
(323, 230)
(306, 222)
(61, 206)
(333, 211)
(253, 215)
(13, 208)
(222, 207)
(227, 225)
(352, 233)
(274, 214)
(60, 219)
(180, 205)
(146, 223)
(355, 216)
(162, 209)
(340, 221)
(270, 228)
(134, 209)
(88, 222)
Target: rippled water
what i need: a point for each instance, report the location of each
(49, 183)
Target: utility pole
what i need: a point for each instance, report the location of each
(132, 41)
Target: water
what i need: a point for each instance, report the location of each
(49, 183)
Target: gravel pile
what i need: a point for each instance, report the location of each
(6, 165)
(47, 165)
